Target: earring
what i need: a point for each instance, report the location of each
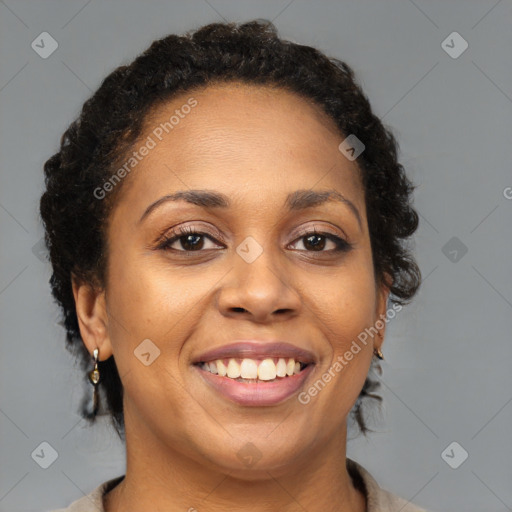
(94, 378)
(377, 352)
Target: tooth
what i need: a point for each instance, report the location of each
(267, 370)
(221, 368)
(213, 367)
(249, 369)
(233, 369)
(290, 366)
(296, 369)
(281, 367)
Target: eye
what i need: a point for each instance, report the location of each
(317, 241)
(192, 240)
(188, 237)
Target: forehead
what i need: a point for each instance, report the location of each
(241, 139)
(231, 119)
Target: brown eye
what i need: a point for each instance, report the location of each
(189, 239)
(316, 242)
(192, 242)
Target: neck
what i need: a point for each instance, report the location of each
(161, 478)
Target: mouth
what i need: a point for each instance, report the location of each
(255, 374)
(254, 370)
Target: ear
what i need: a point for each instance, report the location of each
(383, 289)
(92, 317)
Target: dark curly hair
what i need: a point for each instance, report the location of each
(113, 118)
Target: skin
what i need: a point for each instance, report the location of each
(255, 145)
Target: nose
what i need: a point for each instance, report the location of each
(261, 291)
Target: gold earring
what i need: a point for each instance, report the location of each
(377, 351)
(94, 378)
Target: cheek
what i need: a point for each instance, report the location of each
(146, 294)
(149, 300)
(139, 310)
(146, 312)
(345, 308)
(347, 312)
(345, 304)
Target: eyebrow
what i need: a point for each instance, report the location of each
(295, 201)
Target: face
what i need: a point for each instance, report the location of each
(232, 269)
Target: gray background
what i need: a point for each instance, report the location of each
(447, 375)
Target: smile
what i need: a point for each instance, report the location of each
(254, 370)
(253, 382)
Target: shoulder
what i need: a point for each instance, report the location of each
(93, 500)
(378, 499)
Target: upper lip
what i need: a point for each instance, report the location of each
(256, 349)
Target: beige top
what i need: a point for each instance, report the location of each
(378, 499)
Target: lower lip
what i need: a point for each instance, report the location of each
(256, 393)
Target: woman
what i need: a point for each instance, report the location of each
(225, 221)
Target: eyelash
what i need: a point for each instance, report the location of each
(167, 240)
